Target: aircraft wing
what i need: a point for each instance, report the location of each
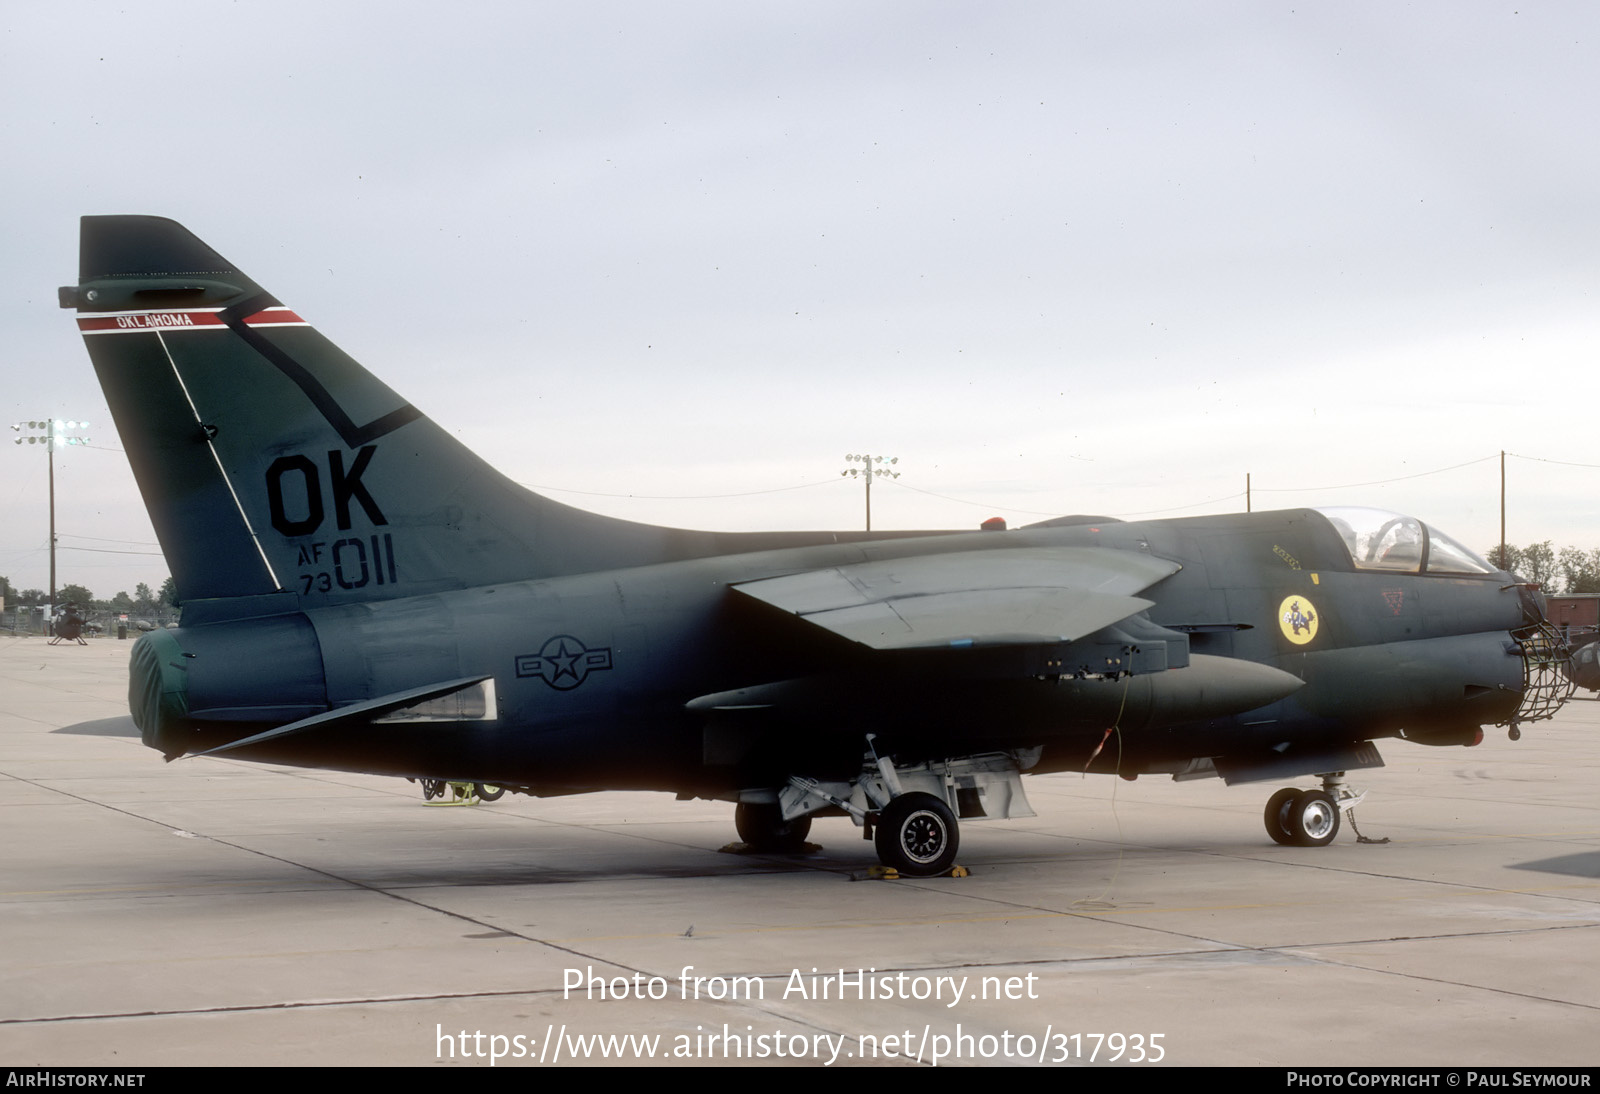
(969, 598)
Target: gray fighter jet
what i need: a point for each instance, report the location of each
(361, 592)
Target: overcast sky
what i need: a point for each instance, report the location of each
(1056, 257)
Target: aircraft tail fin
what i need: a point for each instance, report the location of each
(271, 462)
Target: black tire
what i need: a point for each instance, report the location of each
(1314, 819)
(490, 793)
(763, 829)
(917, 834)
(1279, 806)
(432, 788)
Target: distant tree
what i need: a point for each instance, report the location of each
(1509, 559)
(31, 598)
(74, 594)
(169, 593)
(1580, 569)
(1539, 566)
(122, 603)
(1536, 563)
(144, 601)
(6, 591)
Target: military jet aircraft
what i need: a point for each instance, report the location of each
(361, 592)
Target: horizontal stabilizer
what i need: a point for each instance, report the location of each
(361, 713)
(969, 598)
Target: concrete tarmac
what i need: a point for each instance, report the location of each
(216, 912)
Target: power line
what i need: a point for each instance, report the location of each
(105, 539)
(1051, 513)
(1375, 482)
(678, 497)
(975, 504)
(1175, 508)
(1563, 463)
(104, 550)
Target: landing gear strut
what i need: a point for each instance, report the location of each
(912, 812)
(1309, 818)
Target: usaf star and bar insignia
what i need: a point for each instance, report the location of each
(564, 662)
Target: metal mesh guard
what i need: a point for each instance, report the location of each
(1545, 683)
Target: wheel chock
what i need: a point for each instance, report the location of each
(889, 873)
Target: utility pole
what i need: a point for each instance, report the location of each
(53, 433)
(866, 473)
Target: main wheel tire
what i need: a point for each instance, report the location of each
(1314, 819)
(763, 828)
(490, 793)
(917, 834)
(432, 788)
(1279, 806)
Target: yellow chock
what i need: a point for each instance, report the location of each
(460, 794)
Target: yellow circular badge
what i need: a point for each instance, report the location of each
(1297, 619)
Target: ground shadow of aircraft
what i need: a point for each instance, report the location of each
(361, 592)
(120, 726)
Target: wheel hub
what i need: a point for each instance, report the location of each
(1318, 819)
(923, 836)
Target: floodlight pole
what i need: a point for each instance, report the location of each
(868, 473)
(50, 452)
(51, 432)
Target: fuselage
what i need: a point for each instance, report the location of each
(592, 673)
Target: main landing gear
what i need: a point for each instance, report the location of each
(910, 812)
(917, 835)
(762, 827)
(1310, 818)
(462, 793)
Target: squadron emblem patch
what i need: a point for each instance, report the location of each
(1297, 619)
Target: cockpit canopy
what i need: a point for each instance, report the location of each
(1380, 540)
